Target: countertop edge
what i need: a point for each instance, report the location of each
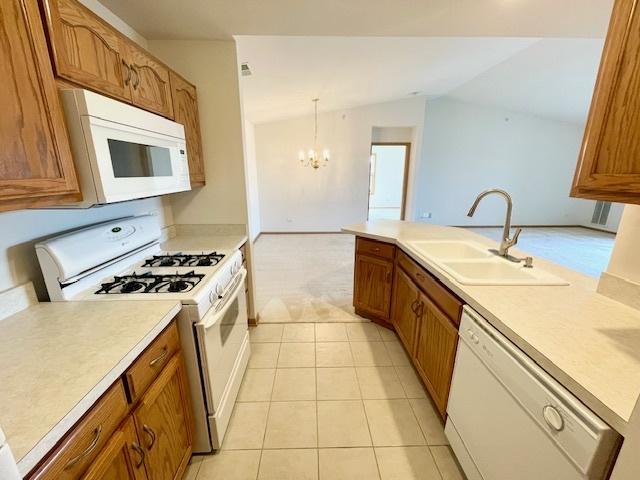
(590, 400)
(46, 443)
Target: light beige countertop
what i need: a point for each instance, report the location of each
(586, 341)
(202, 241)
(59, 358)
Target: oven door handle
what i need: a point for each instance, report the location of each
(230, 295)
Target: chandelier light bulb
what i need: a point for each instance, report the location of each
(314, 157)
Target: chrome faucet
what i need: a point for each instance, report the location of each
(506, 242)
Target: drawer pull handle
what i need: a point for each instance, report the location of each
(136, 448)
(420, 275)
(160, 357)
(136, 82)
(414, 306)
(88, 450)
(128, 70)
(376, 249)
(152, 435)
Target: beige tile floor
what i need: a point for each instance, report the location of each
(330, 401)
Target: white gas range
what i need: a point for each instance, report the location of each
(122, 260)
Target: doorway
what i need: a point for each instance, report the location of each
(388, 172)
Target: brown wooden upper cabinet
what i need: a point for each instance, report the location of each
(609, 163)
(89, 52)
(85, 49)
(36, 167)
(148, 81)
(185, 109)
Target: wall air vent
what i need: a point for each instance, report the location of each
(601, 213)
(245, 69)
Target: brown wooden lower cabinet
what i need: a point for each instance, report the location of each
(121, 459)
(404, 314)
(163, 422)
(148, 438)
(435, 351)
(424, 313)
(372, 286)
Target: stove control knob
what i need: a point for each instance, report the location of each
(553, 418)
(212, 297)
(219, 290)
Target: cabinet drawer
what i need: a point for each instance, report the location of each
(439, 294)
(84, 442)
(378, 249)
(149, 365)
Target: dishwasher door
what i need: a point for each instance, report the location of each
(509, 419)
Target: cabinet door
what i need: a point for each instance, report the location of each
(404, 310)
(150, 87)
(609, 163)
(36, 167)
(185, 111)
(86, 50)
(121, 459)
(435, 351)
(163, 422)
(372, 286)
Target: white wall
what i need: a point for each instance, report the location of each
(296, 198)
(468, 148)
(115, 21)
(212, 67)
(253, 196)
(389, 176)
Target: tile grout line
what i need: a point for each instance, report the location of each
(264, 434)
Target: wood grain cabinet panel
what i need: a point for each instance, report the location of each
(36, 167)
(404, 311)
(151, 362)
(164, 425)
(86, 50)
(82, 445)
(372, 286)
(121, 459)
(609, 163)
(185, 111)
(435, 351)
(149, 80)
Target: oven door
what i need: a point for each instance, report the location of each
(220, 335)
(129, 162)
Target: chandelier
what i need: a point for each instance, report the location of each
(313, 157)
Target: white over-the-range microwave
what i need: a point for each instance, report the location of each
(122, 152)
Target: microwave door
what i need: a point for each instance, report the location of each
(134, 163)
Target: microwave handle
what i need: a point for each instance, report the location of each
(238, 283)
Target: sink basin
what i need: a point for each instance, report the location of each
(498, 271)
(439, 250)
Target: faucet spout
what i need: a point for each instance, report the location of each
(506, 242)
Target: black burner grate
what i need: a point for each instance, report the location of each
(184, 260)
(150, 283)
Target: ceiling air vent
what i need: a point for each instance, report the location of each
(601, 213)
(245, 69)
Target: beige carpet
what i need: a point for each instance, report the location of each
(305, 278)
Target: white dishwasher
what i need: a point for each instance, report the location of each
(508, 419)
